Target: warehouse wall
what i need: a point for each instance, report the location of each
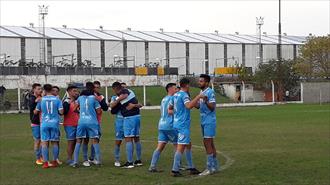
(197, 57)
(32, 49)
(178, 50)
(269, 52)
(215, 52)
(63, 47)
(251, 53)
(10, 47)
(157, 50)
(112, 48)
(287, 51)
(91, 50)
(234, 50)
(316, 92)
(136, 49)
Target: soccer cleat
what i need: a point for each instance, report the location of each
(138, 163)
(86, 164)
(39, 162)
(45, 165)
(128, 165)
(90, 159)
(182, 168)
(69, 161)
(74, 165)
(59, 162)
(205, 172)
(154, 170)
(176, 174)
(117, 164)
(193, 171)
(53, 164)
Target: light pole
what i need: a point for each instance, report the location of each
(279, 48)
(259, 22)
(43, 11)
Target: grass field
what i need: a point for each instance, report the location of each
(273, 145)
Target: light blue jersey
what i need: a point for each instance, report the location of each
(49, 107)
(88, 115)
(118, 115)
(181, 113)
(206, 115)
(166, 120)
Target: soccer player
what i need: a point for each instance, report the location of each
(208, 123)
(56, 92)
(182, 105)
(88, 126)
(71, 117)
(35, 96)
(166, 132)
(50, 106)
(130, 110)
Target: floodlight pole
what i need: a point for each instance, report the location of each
(279, 48)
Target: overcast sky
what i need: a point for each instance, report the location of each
(298, 17)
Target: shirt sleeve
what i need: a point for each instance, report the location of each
(186, 98)
(66, 107)
(171, 101)
(104, 105)
(32, 104)
(96, 104)
(60, 105)
(38, 107)
(211, 97)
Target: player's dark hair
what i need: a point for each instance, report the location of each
(48, 88)
(56, 87)
(169, 85)
(123, 83)
(116, 85)
(36, 85)
(184, 82)
(206, 77)
(89, 86)
(97, 83)
(71, 87)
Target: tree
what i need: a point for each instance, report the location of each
(314, 61)
(281, 72)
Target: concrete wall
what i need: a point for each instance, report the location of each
(316, 92)
(230, 90)
(13, 81)
(10, 47)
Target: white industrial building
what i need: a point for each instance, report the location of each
(191, 53)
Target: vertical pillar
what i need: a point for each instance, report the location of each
(243, 55)
(187, 59)
(102, 53)
(49, 52)
(146, 53)
(225, 56)
(125, 52)
(167, 53)
(23, 53)
(294, 51)
(79, 52)
(206, 65)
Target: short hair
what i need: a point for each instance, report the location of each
(206, 77)
(97, 83)
(184, 82)
(48, 87)
(71, 87)
(89, 86)
(123, 83)
(56, 87)
(116, 85)
(36, 85)
(169, 85)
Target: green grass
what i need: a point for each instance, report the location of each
(273, 145)
(153, 94)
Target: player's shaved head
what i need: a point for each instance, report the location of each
(184, 82)
(48, 88)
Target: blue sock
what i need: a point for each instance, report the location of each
(155, 157)
(215, 163)
(117, 152)
(97, 151)
(189, 159)
(209, 162)
(44, 151)
(176, 162)
(138, 150)
(56, 152)
(85, 152)
(92, 152)
(129, 151)
(76, 153)
(37, 153)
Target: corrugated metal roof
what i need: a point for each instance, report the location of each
(152, 36)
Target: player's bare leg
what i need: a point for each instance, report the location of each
(209, 153)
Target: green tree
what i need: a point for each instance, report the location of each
(314, 61)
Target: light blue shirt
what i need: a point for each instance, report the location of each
(206, 115)
(49, 107)
(181, 113)
(118, 115)
(88, 104)
(166, 120)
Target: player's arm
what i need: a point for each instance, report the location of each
(103, 103)
(66, 107)
(98, 110)
(60, 107)
(97, 107)
(210, 102)
(37, 108)
(191, 104)
(117, 101)
(170, 109)
(132, 105)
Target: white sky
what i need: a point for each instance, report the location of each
(298, 17)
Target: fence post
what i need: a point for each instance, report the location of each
(243, 91)
(144, 95)
(273, 91)
(301, 92)
(19, 98)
